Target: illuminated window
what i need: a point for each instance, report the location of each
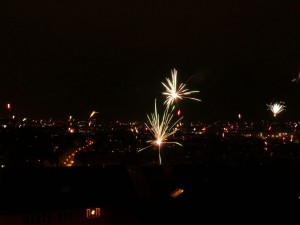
(93, 213)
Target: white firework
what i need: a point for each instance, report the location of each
(276, 107)
(161, 129)
(173, 92)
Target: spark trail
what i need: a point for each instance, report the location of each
(161, 128)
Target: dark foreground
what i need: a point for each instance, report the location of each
(141, 195)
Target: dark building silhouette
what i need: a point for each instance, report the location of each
(120, 194)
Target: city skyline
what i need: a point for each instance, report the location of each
(59, 60)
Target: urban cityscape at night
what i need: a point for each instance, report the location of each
(141, 113)
(50, 143)
(220, 162)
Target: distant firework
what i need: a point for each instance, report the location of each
(173, 93)
(276, 108)
(93, 113)
(161, 129)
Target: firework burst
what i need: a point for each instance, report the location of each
(276, 107)
(173, 92)
(161, 128)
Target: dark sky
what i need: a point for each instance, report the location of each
(61, 58)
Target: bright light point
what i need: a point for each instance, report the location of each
(93, 212)
(71, 130)
(158, 142)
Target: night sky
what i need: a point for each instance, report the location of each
(61, 58)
